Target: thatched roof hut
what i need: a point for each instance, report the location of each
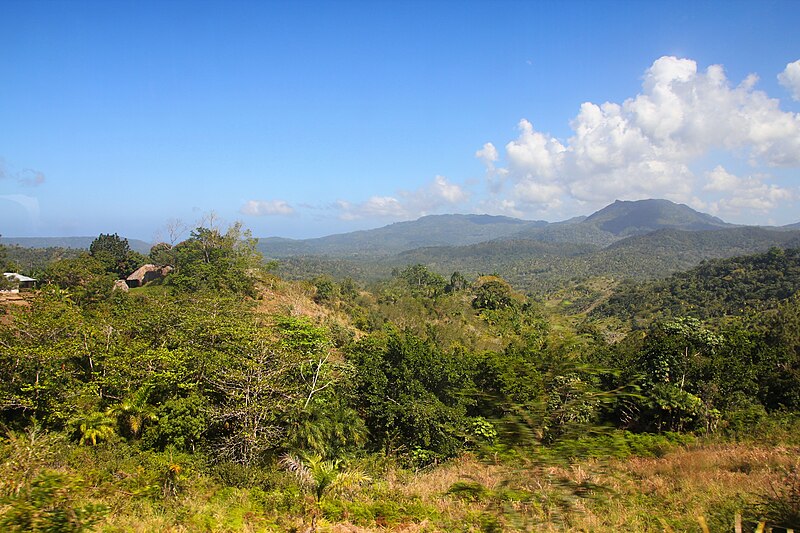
(147, 273)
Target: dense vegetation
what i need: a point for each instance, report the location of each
(539, 267)
(225, 398)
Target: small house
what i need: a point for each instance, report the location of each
(19, 281)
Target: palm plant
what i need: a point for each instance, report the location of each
(321, 477)
(95, 426)
(133, 413)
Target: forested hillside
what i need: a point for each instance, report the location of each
(715, 289)
(222, 397)
(541, 267)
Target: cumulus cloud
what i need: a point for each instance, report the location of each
(406, 204)
(790, 79)
(750, 193)
(650, 144)
(266, 207)
(375, 206)
(488, 154)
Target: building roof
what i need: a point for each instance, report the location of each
(140, 272)
(18, 277)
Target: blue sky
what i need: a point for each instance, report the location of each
(303, 119)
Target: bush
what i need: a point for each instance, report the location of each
(49, 504)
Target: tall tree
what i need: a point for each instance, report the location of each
(214, 261)
(115, 254)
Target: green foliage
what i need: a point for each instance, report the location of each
(23, 455)
(411, 394)
(3, 259)
(493, 293)
(92, 428)
(182, 421)
(32, 261)
(44, 358)
(326, 289)
(213, 261)
(115, 254)
(781, 504)
(86, 278)
(198, 381)
(421, 280)
(321, 477)
(133, 414)
(715, 288)
(328, 427)
(48, 504)
(162, 254)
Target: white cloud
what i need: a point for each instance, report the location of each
(266, 207)
(442, 190)
(30, 178)
(720, 179)
(546, 194)
(790, 78)
(744, 194)
(650, 144)
(406, 204)
(488, 154)
(534, 153)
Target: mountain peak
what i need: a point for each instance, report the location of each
(634, 217)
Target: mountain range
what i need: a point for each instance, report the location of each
(615, 222)
(642, 239)
(626, 239)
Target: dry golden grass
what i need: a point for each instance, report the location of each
(687, 487)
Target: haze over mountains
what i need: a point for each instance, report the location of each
(627, 239)
(617, 221)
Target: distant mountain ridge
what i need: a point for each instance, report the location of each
(627, 218)
(614, 222)
(431, 230)
(80, 243)
(643, 239)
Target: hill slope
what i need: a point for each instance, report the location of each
(433, 230)
(626, 218)
(715, 288)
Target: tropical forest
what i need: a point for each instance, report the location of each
(238, 391)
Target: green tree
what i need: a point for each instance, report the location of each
(493, 293)
(321, 477)
(679, 372)
(94, 427)
(44, 356)
(115, 254)
(4, 282)
(162, 254)
(411, 394)
(457, 282)
(86, 278)
(213, 261)
(133, 413)
(421, 280)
